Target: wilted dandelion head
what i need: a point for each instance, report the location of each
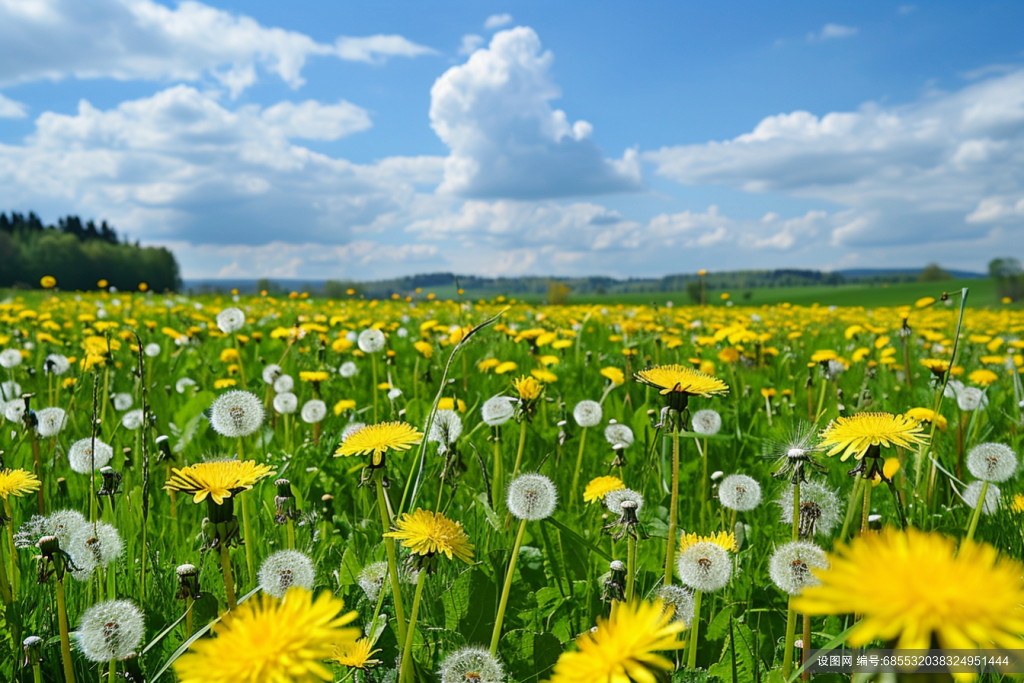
(236, 413)
(972, 495)
(739, 492)
(371, 340)
(230, 320)
(971, 398)
(679, 600)
(614, 500)
(56, 364)
(123, 401)
(314, 411)
(286, 403)
(284, 384)
(705, 567)
(497, 410)
(110, 630)
(532, 497)
(284, 569)
(707, 422)
(132, 420)
(372, 579)
(619, 435)
(445, 429)
(51, 421)
(348, 369)
(820, 508)
(587, 413)
(992, 462)
(790, 567)
(84, 457)
(471, 665)
(10, 358)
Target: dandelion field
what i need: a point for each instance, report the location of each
(238, 469)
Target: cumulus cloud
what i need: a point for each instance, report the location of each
(470, 43)
(497, 21)
(832, 31)
(506, 141)
(141, 39)
(946, 167)
(10, 109)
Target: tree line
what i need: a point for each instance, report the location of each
(79, 255)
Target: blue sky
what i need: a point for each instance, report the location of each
(373, 139)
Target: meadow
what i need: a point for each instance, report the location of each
(283, 489)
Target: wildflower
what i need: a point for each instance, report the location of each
(739, 492)
(284, 384)
(219, 479)
(267, 640)
(471, 664)
(314, 377)
(619, 435)
(529, 389)
(623, 647)
(376, 440)
(17, 483)
(230, 320)
(94, 544)
(348, 369)
(531, 497)
(983, 377)
(445, 429)
(497, 410)
(10, 358)
(84, 457)
(428, 534)
(284, 569)
(371, 340)
(132, 420)
(971, 398)
(123, 401)
(271, 373)
(343, 405)
(791, 564)
(236, 413)
(706, 422)
(820, 509)
(927, 415)
(286, 403)
(679, 601)
(587, 413)
(678, 383)
(373, 579)
(50, 421)
(614, 500)
(356, 655)
(992, 462)
(110, 630)
(972, 495)
(614, 375)
(972, 598)
(600, 487)
(184, 383)
(56, 364)
(704, 566)
(314, 411)
(856, 434)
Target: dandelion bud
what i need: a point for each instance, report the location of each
(531, 497)
(615, 585)
(371, 340)
(471, 665)
(230, 320)
(790, 566)
(84, 457)
(236, 413)
(587, 413)
(372, 579)
(705, 567)
(706, 422)
(284, 501)
(188, 582)
(110, 630)
(972, 495)
(284, 569)
(497, 410)
(739, 492)
(679, 600)
(994, 462)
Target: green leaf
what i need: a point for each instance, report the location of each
(348, 573)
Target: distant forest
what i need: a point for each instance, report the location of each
(79, 255)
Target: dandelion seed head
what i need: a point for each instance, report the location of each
(348, 369)
(284, 569)
(613, 500)
(284, 383)
(790, 567)
(706, 422)
(820, 508)
(314, 411)
(51, 421)
(110, 630)
(56, 364)
(230, 320)
(10, 390)
(236, 413)
(184, 383)
(372, 579)
(992, 462)
(471, 665)
(705, 567)
(10, 358)
(679, 600)
(739, 492)
(532, 497)
(271, 373)
(286, 403)
(15, 410)
(151, 350)
(445, 429)
(497, 410)
(83, 458)
(132, 420)
(123, 401)
(618, 434)
(971, 398)
(972, 494)
(587, 413)
(351, 429)
(371, 340)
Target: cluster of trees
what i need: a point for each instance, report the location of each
(1009, 277)
(79, 255)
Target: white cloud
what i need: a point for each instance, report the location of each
(10, 109)
(506, 141)
(497, 21)
(470, 43)
(141, 39)
(937, 169)
(832, 31)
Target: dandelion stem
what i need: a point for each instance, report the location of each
(496, 635)
(796, 510)
(373, 366)
(407, 671)
(65, 639)
(496, 472)
(291, 534)
(389, 546)
(787, 656)
(112, 670)
(229, 583)
(5, 585)
(673, 514)
(188, 616)
(977, 511)
(806, 675)
(630, 566)
(576, 472)
(691, 656)
(10, 546)
(522, 446)
(850, 508)
(866, 510)
(703, 485)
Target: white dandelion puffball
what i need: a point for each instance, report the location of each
(394, 393)
(62, 524)
(705, 567)
(110, 630)
(351, 429)
(152, 350)
(283, 384)
(371, 340)
(706, 422)
(619, 435)
(992, 462)
(820, 508)
(971, 398)
(679, 600)
(271, 373)
(348, 369)
(93, 546)
(15, 410)
(10, 358)
(445, 429)
(284, 569)
(83, 458)
(739, 492)
(531, 497)
(56, 364)
(314, 411)
(236, 413)
(373, 579)
(587, 413)
(132, 420)
(474, 664)
(230, 320)
(791, 565)
(51, 421)
(10, 390)
(972, 495)
(123, 401)
(286, 403)
(613, 500)
(497, 410)
(184, 383)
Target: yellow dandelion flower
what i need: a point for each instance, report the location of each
(1017, 505)
(426, 349)
(983, 377)
(937, 366)
(927, 415)
(428, 533)
(17, 483)
(528, 388)
(668, 379)
(229, 356)
(450, 404)
(313, 376)
(624, 647)
(488, 364)
(823, 356)
(265, 640)
(545, 376)
(506, 367)
(614, 375)
(356, 655)
(343, 405)
(971, 599)
(219, 479)
(600, 487)
(48, 281)
(854, 435)
(378, 439)
(224, 383)
(726, 541)
(729, 355)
